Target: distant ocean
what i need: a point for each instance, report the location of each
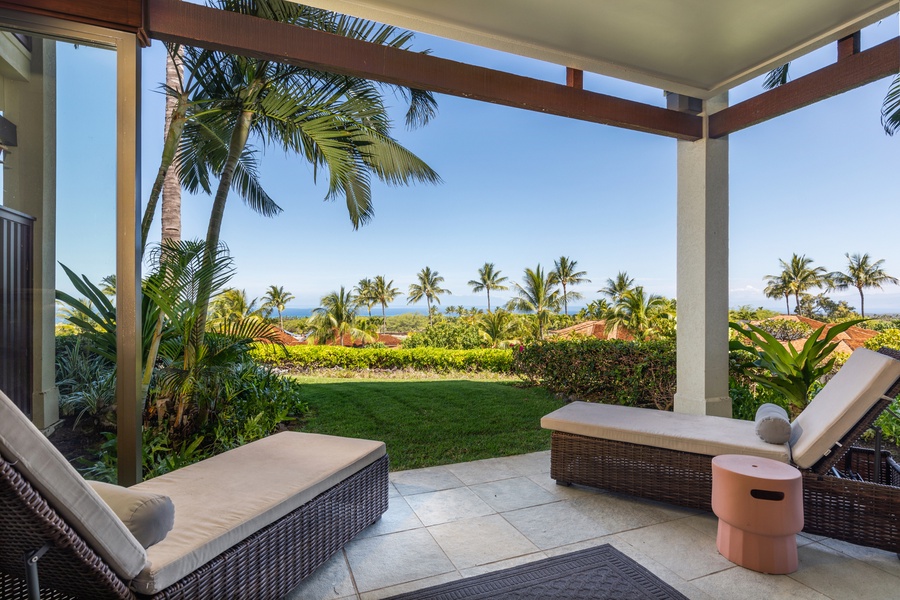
(376, 311)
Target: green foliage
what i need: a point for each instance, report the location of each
(882, 324)
(419, 359)
(746, 313)
(889, 422)
(787, 370)
(889, 338)
(785, 330)
(452, 335)
(407, 322)
(608, 371)
(296, 324)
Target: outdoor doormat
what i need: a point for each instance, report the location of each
(599, 573)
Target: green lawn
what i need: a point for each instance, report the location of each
(433, 422)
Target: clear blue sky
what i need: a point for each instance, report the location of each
(520, 188)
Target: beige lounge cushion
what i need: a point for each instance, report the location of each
(149, 517)
(222, 500)
(772, 424)
(32, 454)
(845, 399)
(700, 434)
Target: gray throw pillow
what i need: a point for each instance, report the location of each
(149, 517)
(772, 424)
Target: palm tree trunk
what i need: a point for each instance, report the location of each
(787, 304)
(862, 303)
(797, 300)
(170, 146)
(565, 299)
(280, 319)
(428, 302)
(383, 319)
(235, 149)
(489, 298)
(171, 193)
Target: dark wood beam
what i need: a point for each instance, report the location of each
(192, 24)
(121, 15)
(575, 78)
(851, 71)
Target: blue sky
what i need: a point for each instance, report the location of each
(520, 188)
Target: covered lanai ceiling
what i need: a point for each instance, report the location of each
(695, 47)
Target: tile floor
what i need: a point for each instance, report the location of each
(445, 523)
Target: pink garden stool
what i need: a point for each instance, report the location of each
(759, 503)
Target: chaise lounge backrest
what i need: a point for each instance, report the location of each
(858, 386)
(32, 454)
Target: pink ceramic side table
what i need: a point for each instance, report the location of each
(759, 503)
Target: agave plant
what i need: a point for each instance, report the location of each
(790, 372)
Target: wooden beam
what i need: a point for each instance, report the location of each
(195, 25)
(575, 78)
(121, 15)
(848, 46)
(851, 71)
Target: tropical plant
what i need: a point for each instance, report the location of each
(537, 295)
(497, 327)
(596, 310)
(231, 305)
(861, 273)
(452, 335)
(336, 318)
(364, 295)
(637, 312)
(428, 287)
(489, 279)
(786, 370)
(616, 287)
(785, 330)
(383, 292)
(890, 108)
(799, 275)
(564, 270)
(277, 297)
(778, 286)
(889, 338)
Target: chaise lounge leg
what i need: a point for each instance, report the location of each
(563, 483)
(31, 572)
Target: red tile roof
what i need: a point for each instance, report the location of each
(595, 329)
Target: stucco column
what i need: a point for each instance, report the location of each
(702, 269)
(30, 187)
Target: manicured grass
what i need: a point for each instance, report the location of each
(433, 422)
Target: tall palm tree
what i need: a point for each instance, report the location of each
(496, 327)
(336, 318)
(778, 286)
(171, 190)
(801, 275)
(384, 292)
(861, 273)
(364, 294)
(276, 297)
(564, 270)
(429, 287)
(615, 288)
(636, 311)
(537, 295)
(488, 279)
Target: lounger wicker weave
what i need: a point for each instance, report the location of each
(218, 548)
(596, 445)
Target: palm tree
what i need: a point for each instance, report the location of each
(778, 286)
(276, 297)
(615, 288)
(233, 306)
(171, 190)
(565, 274)
(488, 279)
(336, 318)
(364, 295)
(861, 273)
(429, 288)
(636, 311)
(496, 327)
(538, 295)
(384, 292)
(801, 276)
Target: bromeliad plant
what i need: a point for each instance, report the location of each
(789, 371)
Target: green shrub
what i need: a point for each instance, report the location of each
(420, 359)
(452, 335)
(889, 338)
(785, 330)
(608, 371)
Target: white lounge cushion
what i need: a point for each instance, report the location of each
(845, 399)
(700, 434)
(149, 517)
(772, 424)
(224, 499)
(32, 454)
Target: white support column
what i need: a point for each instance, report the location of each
(702, 269)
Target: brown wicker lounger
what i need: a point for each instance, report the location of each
(324, 490)
(861, 512)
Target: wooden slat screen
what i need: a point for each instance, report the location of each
(16, 341)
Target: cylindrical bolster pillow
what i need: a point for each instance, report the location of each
(772, 424)
(149, 517)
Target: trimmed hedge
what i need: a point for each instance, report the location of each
(420, 359)
(606, 371)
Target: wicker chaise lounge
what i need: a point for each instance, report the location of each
(249, 523)
(667, 456)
